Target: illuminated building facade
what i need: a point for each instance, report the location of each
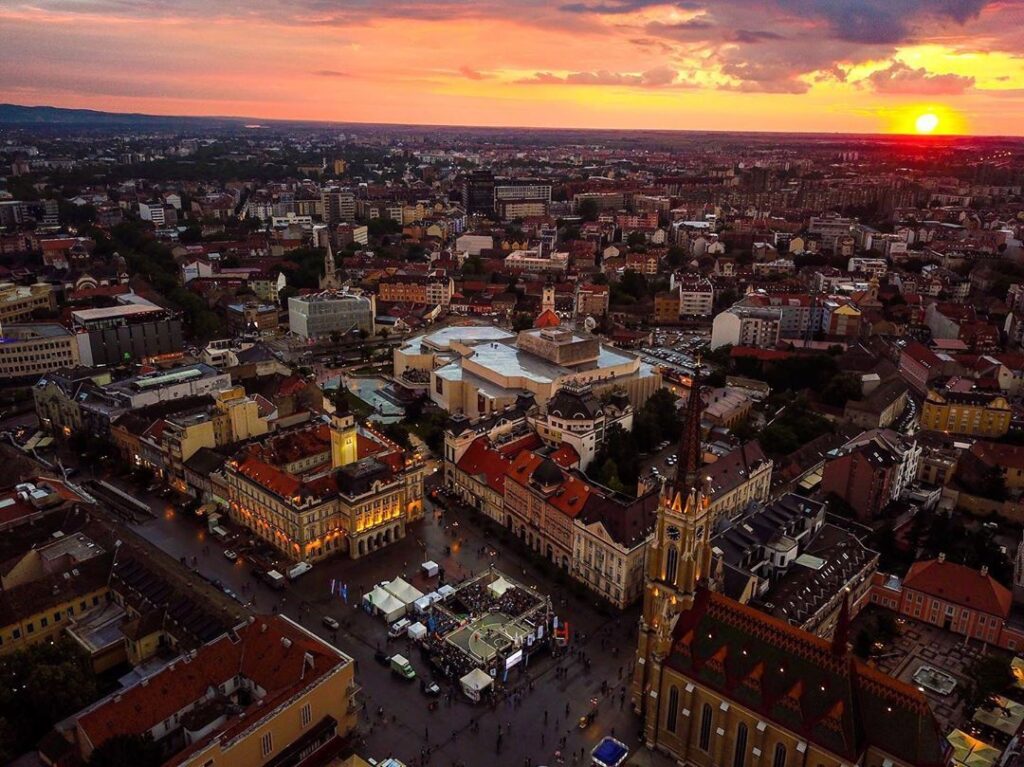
(326, 489)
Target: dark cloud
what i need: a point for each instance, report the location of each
(749, 37)
(658, 77)
(903, 79)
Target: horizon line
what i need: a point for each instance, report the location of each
(254, 123)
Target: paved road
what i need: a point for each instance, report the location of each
(459, 732)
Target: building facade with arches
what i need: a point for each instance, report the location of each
(352, 496)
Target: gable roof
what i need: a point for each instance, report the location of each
(803, 683)
(961, 585)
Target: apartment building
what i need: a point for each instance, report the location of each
(977, 414)
(432, 290)
(263, 693)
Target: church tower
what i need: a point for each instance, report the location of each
(330, 279)
(678, 559)
(547, 303)
(344, 440)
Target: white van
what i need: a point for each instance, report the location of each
(398, 628)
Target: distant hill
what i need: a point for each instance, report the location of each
(18, 115)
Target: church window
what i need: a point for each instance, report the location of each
(779, 759)
(740, 757)
(673, 709)
(705, 729)
(671, 565)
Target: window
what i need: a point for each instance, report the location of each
(31, 628)
(673, 709)
(305, 715)
(740, 756)
(705, 729)
(779, 759)
(671, 565)
(44, 622)
(267, 744)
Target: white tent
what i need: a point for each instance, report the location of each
(474, 683)
(417, 631)
(404, 591)
(385, 603)
(499, 586)
(430, 568)
(422, 604)
(446, 591)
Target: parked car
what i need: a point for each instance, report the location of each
(330, 623)
(230, 554)
(429, 688)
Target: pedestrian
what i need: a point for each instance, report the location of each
(566, 710)
(545, 716)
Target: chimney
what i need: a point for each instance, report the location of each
(984, 571)
(942, 556)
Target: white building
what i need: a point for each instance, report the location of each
(321, 314)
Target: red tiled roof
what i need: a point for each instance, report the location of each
(960, 585)
(572, 494)
(270, 477)
(483, 460)
(260, 654)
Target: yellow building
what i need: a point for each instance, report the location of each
(34, 348)
(243, 699)
(37, 606)
(17, 302)
(973, 413)
(720, 683)
(359, 502)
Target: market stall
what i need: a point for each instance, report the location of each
(382, 602)
(417, 631)
(403, 591)
(475, 683)
(430, 568)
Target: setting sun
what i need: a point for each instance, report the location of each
(926, 123)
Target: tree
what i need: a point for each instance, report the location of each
(841, 388)
(397, 434)
(588, 209)
(522, 322)
(636, 238)
(127, 751)
(989, 675)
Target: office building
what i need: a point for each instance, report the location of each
(129, 332)
(34, 348)
(322, 314)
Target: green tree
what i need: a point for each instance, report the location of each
(841, 388)
(989, 675)
(588, 209)
(522, 322)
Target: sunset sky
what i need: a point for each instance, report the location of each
(807, 65)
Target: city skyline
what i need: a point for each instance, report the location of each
(856, 66)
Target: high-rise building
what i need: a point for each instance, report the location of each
(478, 192)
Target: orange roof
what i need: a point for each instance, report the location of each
(270, 651)
(571, 495)
(272, 478)
(547, 319)
(961, 585)
(483, 460)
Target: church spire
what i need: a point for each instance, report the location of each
(689, 452)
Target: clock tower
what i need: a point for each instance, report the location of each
(678, 559)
